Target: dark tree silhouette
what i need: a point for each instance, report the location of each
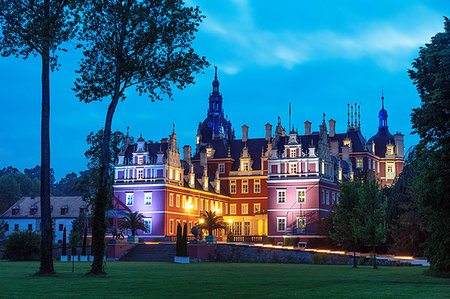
(38, 28)
(142, 44)
(132, 221)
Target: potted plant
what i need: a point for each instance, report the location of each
(211, 223)
(132, 221)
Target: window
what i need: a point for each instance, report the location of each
(64, 210)
(293, 153)
(256, 208)
(61, 227)
(292, 167)
(245, 166)
(233, 209)
(246, 228)
(333, 197)
(184, 202)
(221, 207)
(30, 226)
(244, 186)
(281, 196)
(16, 227)
(257, 186)
(171, 226)
(281, 224)
(237, 228)
(301, 224)
(201, 204)
(148, 198)
(221, 168)
(190, 227)
(206, 205)
(7, 227)
(196, 203)
(140, 174)
(171, 199)
(233, 187)
(148, 225)
(390, 150)
(130, 199)
(302, 244)
(359, 163)
(389, 169)
(322, 199)
(244, 208)
(178, 200)
(328, 198)
(82, 210)
(140, 160)
(226, 208)
(301, 195)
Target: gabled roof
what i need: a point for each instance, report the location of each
(73, 203)
(152, 148)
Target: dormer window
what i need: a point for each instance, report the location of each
(140, 174)
(33, 210)
(15, 210)
(347, 142)
(221, 168)
(82, 210)
(245, 166)
(64, 210)
(390, 150)
(140, 160)
(293, 153)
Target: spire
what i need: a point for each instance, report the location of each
(382, 98)
(215, 75)
(382, 115)
(348, 117)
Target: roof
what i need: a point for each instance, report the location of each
(152, 148)
(381, 139)
(25, 204)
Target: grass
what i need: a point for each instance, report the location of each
(217, 280)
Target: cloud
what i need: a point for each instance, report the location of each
(383, 41)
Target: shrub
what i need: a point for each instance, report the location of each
(270, 241)
(286, 242)
(23, 246)
(324, 258)
(316, 259)
(362, 259)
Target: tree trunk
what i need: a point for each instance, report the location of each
(354, 255)
(46, 265)
(374, 259)
(103, 192)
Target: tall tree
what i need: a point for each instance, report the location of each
(211, 222)
(431, 121)
(372, 207)
(145, 44)
(38, 27)
(346, 217)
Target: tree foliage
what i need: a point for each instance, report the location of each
(145, 45)
(431, 121)
(22, 246)
(211, 222)
(132, 221)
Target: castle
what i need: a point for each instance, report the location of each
(276, 186)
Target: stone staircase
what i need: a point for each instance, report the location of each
(162, 252)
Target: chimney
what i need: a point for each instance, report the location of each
(345, 153)
(203, 159)
(399, 146)
(307, 127)
(268, 131)
(187, 153)
(244, 133)
(332, 127)
(191, 176)
(335, 148)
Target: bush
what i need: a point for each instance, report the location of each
(270, 240)
(23, 246)
(362, 260)
(286, 242)
(316, 259)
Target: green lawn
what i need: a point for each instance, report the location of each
(211, 280)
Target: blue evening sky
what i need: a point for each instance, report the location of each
(319, 55)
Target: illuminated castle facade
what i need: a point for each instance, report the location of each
(276, 186)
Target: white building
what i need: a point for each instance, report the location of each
(25, 214)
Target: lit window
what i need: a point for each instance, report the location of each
(359, 163)
(130, 199)
(221, 168)
(206, 205)
(281, 224)
(148, 198)
(244, 186)
(140, 174)
(201, 204)
(257, 186)
(196, 203)
(281, 196)
(233, 187)
(301, 195)
(301, 224)
(148, 225)
(293, 153)
(178, 200)
(140, 160)
(245, 166)
(171, 226)
(257, 208)
(171, 199)
(232, 209)
(292, 167)
(246, 228)
(389, 168)
(328, 198)
(244, 208)
(237, 228)
(184, 202)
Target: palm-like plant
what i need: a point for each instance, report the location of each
(211, 222)
(132, 221)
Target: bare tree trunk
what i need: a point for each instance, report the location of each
(46, 266)
(374, 259)
(354, 255)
